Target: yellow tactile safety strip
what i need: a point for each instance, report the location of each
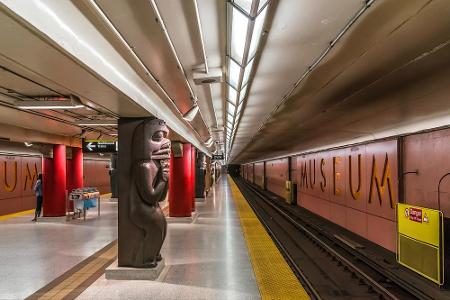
(14, 215)
(274, 276)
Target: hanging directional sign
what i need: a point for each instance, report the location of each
(99, 146)
(217, 157)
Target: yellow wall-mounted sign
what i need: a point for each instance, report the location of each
(419, 223)
(420, 240)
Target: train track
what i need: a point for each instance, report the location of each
(325, 272)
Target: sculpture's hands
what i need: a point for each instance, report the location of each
(163, 156)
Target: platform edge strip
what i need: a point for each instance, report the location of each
(273, 275)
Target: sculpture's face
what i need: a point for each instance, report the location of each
(157, 144)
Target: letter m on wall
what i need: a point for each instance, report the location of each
(381, 183)
(30, 176)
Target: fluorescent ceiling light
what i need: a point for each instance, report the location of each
(52, 104)
(231, 108)
(232, 95)
(242, 94)
(96, 122)
(230, 118)
(190, 115)
(245, 5)
(239, 108)
(239, 28)
(247, 71)
(257, 30)
(209, 141)
(234, 72)
(230, 124)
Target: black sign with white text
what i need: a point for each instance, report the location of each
(99, 146)
(217, 157)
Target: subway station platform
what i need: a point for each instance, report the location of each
(205, 259)
(223, 253)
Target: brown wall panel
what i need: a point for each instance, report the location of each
(18, 175)
(356, 221)
(259, 174)
(428, 153)
(338, 214)
(381, 231)
(251, 173)
(96, 174)
(324, 188)
(277, 175)
(357, 191)
(379, 157)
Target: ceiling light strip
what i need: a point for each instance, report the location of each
(245, 60)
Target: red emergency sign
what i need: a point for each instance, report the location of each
(415, 214)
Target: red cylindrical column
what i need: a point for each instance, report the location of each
(193, 177)
(180, 204)
(55, 200)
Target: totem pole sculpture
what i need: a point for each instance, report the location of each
(142, 225)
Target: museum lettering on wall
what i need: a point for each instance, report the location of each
(364, 173)
(18, 174)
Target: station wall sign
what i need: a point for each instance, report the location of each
(99, 146)
(420, 240)
(217, 157)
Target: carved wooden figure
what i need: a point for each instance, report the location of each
(149, 184)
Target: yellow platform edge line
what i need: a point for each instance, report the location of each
(273, 275)
(17, 214)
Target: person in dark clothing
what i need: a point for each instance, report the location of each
(38, 192)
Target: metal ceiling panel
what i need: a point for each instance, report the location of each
(180, 20)
(138, 25)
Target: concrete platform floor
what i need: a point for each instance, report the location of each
(207, 259)
(34, 254)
